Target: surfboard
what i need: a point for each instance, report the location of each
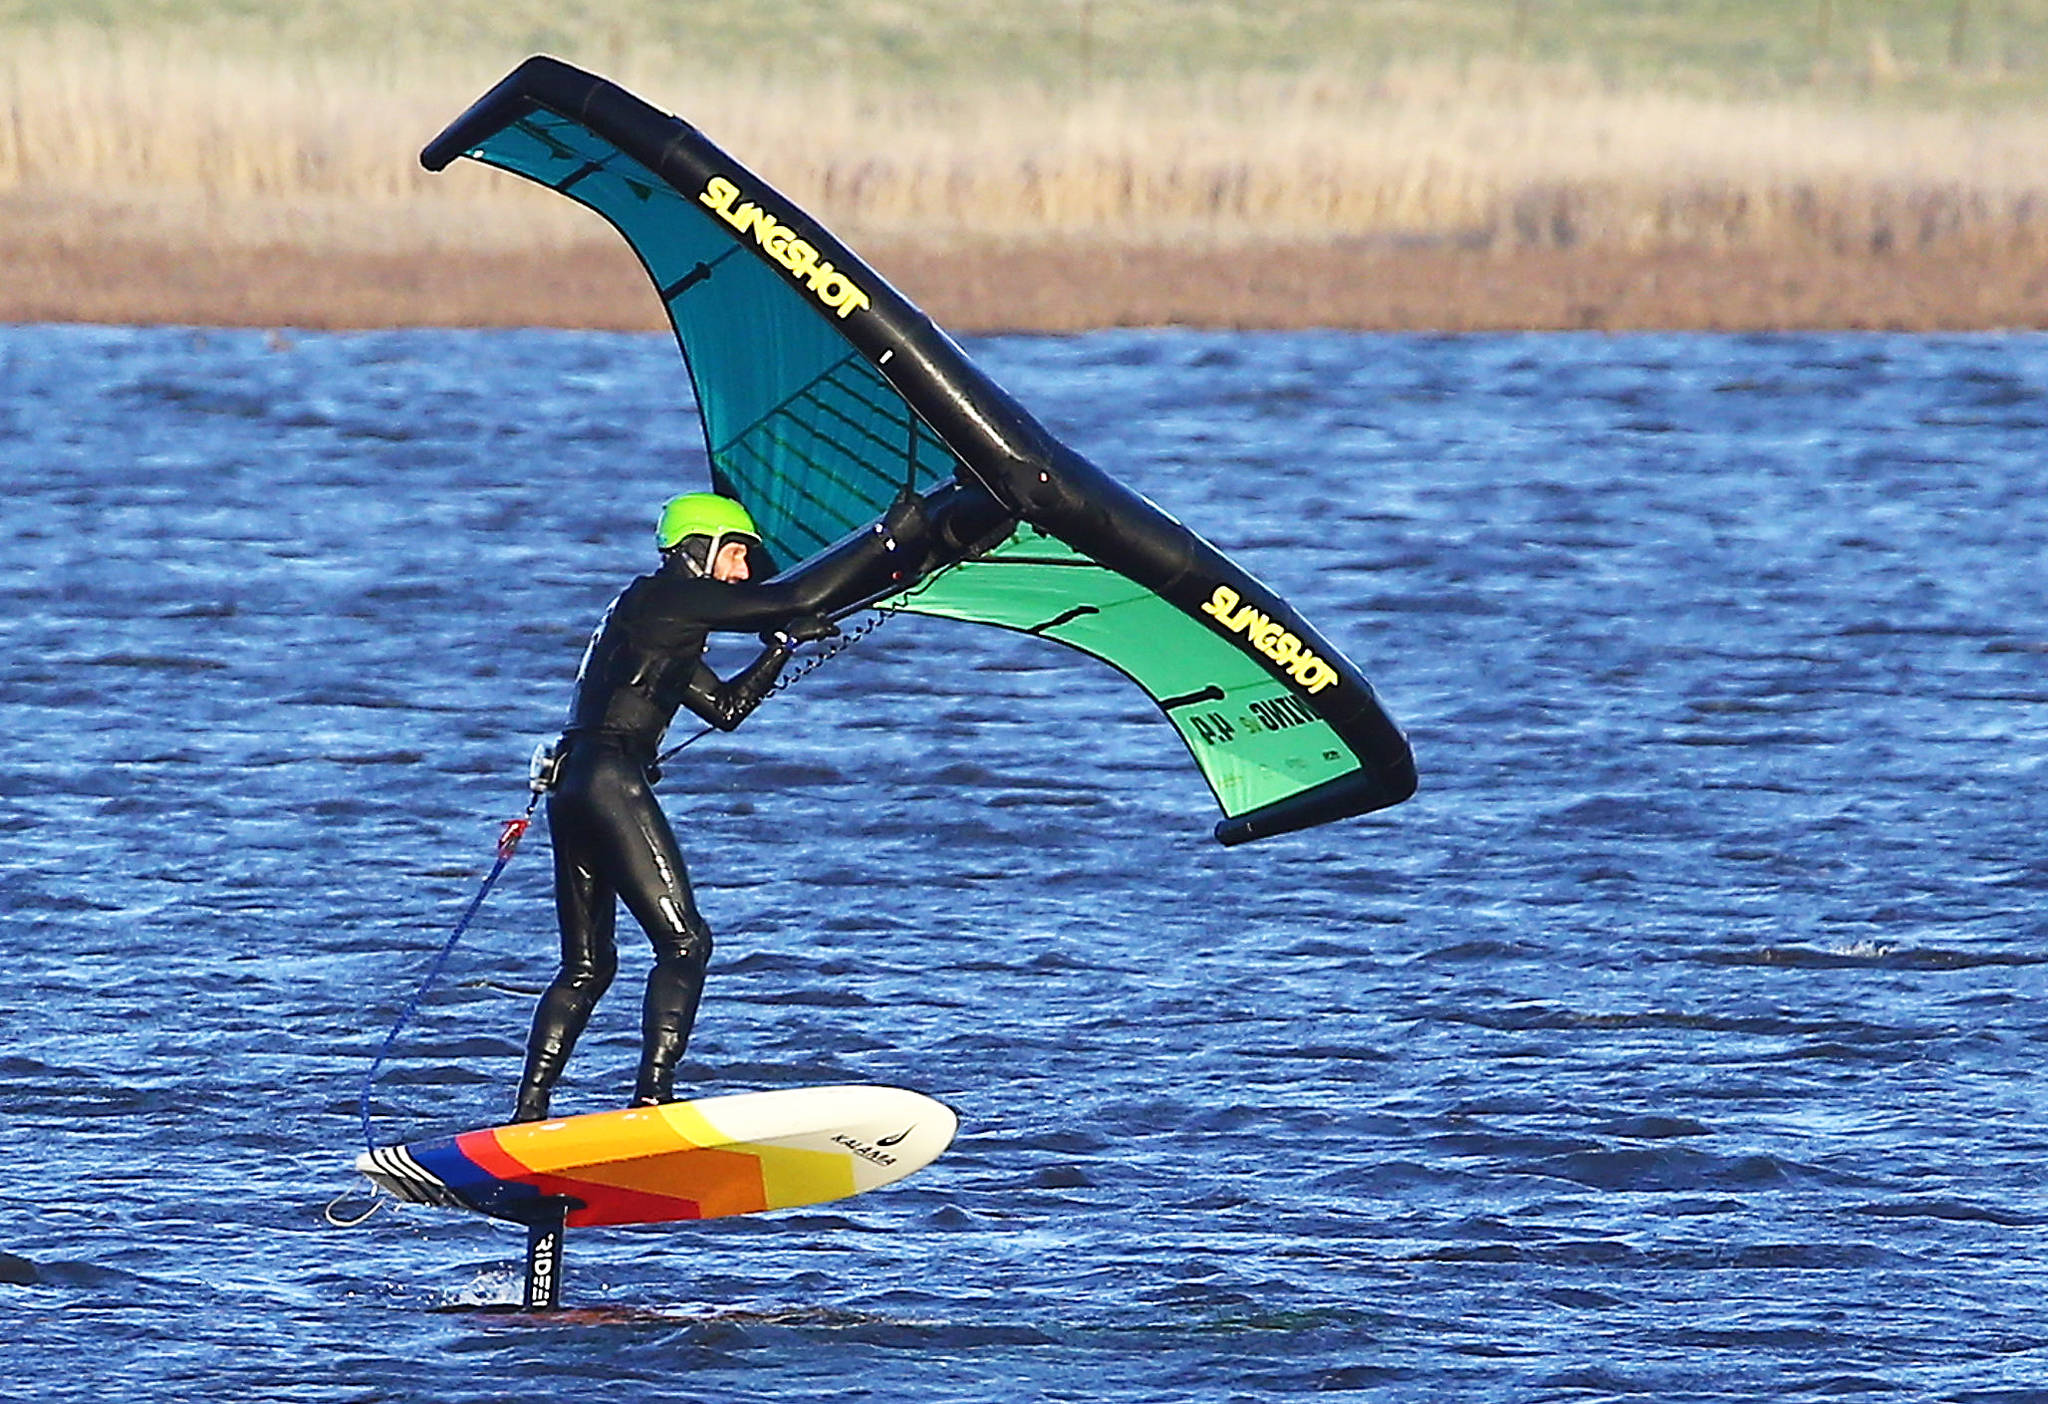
(717, 1156)
(739, 1154)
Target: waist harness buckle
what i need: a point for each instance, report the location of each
(544, 768)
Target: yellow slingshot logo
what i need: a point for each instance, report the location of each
(1271, 639)
(839, 293)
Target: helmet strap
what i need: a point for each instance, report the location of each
(694, 554)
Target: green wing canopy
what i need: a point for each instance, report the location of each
(825, 397)
(1255, 743)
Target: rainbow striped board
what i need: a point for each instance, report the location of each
(705, 1159)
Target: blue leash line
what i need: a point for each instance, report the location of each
(508, 844)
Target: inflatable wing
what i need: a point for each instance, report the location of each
(826, 397)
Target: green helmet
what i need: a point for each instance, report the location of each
(702, 514)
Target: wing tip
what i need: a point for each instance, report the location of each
(1346, 797)
(539, 77)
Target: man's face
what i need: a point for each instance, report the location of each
(730, 564)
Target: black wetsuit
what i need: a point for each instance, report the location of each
(611, 840)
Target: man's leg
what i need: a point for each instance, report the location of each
(585, 909)
(655, 886)
(674, 987)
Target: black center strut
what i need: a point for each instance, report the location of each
(544, 1235)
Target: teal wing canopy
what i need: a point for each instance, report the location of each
(826, 397)
(800, 426)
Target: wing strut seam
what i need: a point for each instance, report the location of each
(686, 282)
(1069, 617)
(590, 168)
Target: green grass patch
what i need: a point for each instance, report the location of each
(1938, 52)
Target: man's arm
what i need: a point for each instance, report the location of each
(725, 704)
(916, 537)
(856, 569)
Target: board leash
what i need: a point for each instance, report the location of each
(508, 844)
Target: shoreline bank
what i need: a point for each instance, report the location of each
(1053, 287)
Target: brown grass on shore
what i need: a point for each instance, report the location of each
(159, 183)
(1500, 156)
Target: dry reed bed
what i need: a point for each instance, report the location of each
(103, 136)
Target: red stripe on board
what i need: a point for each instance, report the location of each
(603, 1204)
(482, 1150)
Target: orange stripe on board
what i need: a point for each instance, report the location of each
(548, 1146)
(652, 1189)
(720, 1182)
(642, 1167)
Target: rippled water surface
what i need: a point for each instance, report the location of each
(1681, 1039)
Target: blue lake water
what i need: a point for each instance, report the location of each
(1680, 1040)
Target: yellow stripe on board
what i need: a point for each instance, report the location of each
(790, 1176)
(693, 1126)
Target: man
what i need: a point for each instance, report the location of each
(611, 840)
